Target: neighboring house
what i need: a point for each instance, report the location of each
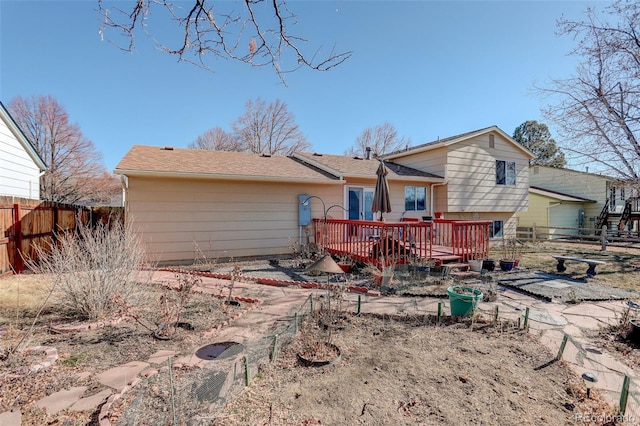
(20, 164)
(565, 198)
(189, 205)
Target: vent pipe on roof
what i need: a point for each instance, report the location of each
(167, 148)
(368, 155)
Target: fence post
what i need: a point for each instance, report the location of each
(624, 394)
(56, 220)
(533, 233)
(274, 350)
(247, 372)
(562, 346)
(603, 237)
(17, 239)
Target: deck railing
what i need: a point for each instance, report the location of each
(403, 242)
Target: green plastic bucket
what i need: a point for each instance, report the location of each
(463, 305)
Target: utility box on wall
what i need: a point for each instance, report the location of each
(304, 211)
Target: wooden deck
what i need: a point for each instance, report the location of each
(404, 242)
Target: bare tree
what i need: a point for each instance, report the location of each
(75, 170)
(216, 139)
(382, 139)
(270, 129)
(598, 112)
(255, 32)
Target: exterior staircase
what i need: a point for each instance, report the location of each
(626, 215)
(603, 218)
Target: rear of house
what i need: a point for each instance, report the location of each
(486, 176)
(197, 205)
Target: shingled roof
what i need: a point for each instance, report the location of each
(153, 160)
(345, 166)
(455, 139)
(168, 161)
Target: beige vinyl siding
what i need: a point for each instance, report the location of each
(433, 161)
(509, 220)
(538, 212)
(19, 175)
(571, 182)
(180, 220)
(471, 173)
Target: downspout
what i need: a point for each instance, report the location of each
(551, 205)
(433, 185)
(125, 185)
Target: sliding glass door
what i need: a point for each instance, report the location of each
(360, 202)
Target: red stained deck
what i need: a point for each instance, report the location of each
(404, 242)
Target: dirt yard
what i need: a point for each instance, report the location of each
(408, 373)
(390, 373)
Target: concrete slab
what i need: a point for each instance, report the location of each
(118, 377)
(11, 418)
(61, 400)
(92, 402)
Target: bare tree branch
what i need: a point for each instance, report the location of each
(597, 110)
(257, 34)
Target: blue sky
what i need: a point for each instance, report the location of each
(432, 69)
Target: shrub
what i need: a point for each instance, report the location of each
(94, 266)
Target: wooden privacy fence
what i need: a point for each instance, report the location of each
(27, 224)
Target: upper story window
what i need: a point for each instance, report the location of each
(415, 198)
(505, 172)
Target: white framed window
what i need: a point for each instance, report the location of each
(505, 173)
(415, 198)
(496, 229)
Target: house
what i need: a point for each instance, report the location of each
(20, 164)
(194, 204)
(486, 176)
(564, 198)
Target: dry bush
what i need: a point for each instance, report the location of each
(94, 266)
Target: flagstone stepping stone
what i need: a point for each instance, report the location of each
(11, 418)
(61, 400)
(547, 318)
(91, 402)
(119, 377)
(161, 356)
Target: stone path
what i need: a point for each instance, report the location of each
(548, 320)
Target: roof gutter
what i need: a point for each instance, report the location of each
(209, 176)
(446, 181)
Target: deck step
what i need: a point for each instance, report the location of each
(464, 274)
(464, 266)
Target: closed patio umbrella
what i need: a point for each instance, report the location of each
(381, 196)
